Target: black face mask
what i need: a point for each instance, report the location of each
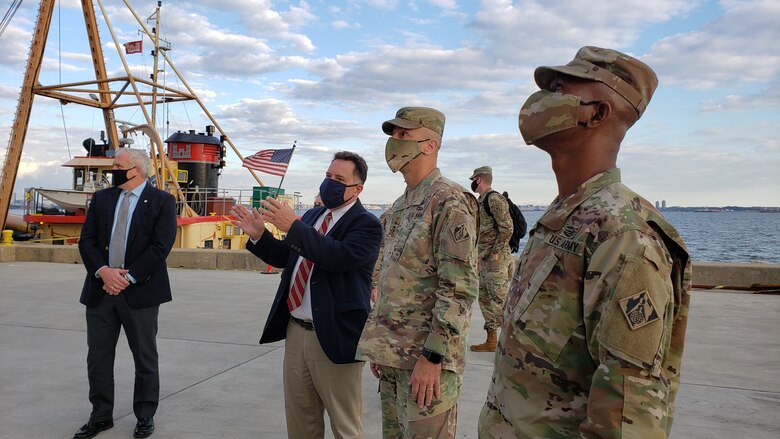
(120, 176)
(474, 185)
(332, 192)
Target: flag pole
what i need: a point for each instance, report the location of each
(276, 195)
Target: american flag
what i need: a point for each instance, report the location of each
(270, 161)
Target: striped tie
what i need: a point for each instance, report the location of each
(116, 250)
(295, 297)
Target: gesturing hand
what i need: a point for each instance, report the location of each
(250, 221)
(278, 214)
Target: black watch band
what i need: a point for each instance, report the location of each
(433, 357)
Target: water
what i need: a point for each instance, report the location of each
(719, 236)
(710, 237)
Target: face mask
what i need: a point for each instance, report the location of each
(545, 113)
(332, 192)
(120, 176)
(398, 153)
(474, 185)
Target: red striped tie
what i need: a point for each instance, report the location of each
(295, 297)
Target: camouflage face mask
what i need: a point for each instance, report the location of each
(400, 152)
(545, 112)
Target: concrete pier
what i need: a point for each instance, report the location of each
(217, 382)
(712, 274)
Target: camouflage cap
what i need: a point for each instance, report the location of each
(482, 170)
(629, 77)
(412, 118)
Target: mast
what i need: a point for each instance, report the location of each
(22, 119)
(156, 39)
(100, 71)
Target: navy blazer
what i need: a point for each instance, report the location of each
(340, 283)
(149, 240)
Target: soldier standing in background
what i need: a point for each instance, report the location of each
(594, 323)
(495, 229)
(415, 337)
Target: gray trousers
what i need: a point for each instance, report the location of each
(103, 324)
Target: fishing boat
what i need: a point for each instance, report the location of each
(187, 164)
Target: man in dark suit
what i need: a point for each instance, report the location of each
(127, 234)
(323, 299)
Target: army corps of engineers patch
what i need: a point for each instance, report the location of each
(459, 232)
(639, 310)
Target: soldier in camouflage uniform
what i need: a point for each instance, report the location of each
(495, 229)
(415, 336)
(595, 318)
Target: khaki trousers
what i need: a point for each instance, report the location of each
(313, 383)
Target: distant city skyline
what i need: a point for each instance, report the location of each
(327, 74)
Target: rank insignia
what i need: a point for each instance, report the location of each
(459, 233)
(639, 310)
(570, 231)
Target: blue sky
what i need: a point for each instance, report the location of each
(328, 73)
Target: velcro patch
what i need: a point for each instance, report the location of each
(639, 310)
(460, 232)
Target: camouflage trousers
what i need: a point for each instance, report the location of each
(493, 288)
(401, 417)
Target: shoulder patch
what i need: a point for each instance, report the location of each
(459, 232)
(639, 310)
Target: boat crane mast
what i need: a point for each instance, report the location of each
(22, 118)
(108, 99)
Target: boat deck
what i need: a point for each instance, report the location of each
(216, 381)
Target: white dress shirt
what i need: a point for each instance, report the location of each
(304, 312)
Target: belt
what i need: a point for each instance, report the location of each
(309, 326)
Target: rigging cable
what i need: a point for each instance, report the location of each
(59, 56)
(9, 14)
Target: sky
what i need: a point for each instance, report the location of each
(326, 74)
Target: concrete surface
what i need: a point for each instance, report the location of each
(708, 274)
(217, 382)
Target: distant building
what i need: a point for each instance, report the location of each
(663, 204)
(657, 204)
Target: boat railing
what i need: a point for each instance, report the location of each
(214, 201)
(36, 204)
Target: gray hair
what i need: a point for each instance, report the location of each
(138, 158)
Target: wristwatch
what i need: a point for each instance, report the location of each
(433, 357)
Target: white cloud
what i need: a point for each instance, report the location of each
(766, 98)
(551, 31)
(740, 46)
(261, 19)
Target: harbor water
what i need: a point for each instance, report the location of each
(744, 236)
(723, 236)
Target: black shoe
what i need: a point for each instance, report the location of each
(144, 427)
(91, 429)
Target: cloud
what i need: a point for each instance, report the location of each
(16, 45)
(261, 19)
(765, 98)
(740, 46)
(343, 24)
(530, 31)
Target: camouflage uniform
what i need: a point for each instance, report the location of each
(494, 258)
(427, 285)
(594, 323)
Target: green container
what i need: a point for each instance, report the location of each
(261, 192)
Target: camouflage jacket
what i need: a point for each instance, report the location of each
(495, 231)
(427, 277)
(594, 322)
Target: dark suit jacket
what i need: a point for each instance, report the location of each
(149, 240)
(340, 283)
